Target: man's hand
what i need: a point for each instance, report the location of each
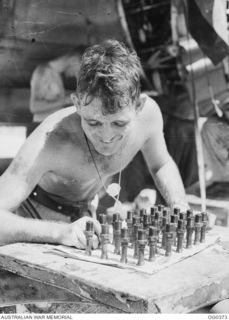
(146, 199)
(182, 205)
(211, 219)
(120, 208)
(75, 233)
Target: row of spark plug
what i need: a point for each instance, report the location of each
(142, 229)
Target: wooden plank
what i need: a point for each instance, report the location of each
(14, 289)
(183, 287)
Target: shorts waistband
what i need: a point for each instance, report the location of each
(74, 212)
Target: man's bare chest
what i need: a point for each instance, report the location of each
(83, 166)
(91, 165)
(82, 176)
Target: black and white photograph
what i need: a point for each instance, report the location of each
(114, 159)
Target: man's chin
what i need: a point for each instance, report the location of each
(107, 150)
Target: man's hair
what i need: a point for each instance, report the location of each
(110, 71)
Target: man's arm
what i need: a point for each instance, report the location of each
(169, 183)
(16, 184)
(36, 157)
(161, 166)
(18, 229)
(24, 172)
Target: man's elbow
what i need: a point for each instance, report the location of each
(166, 162)
(8, 207)
(7, 223)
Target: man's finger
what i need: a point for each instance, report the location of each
(95, 242)
(81, 239)
(97, 226)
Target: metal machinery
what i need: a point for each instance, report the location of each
(33, 32)
(173, 62)
(150, 30)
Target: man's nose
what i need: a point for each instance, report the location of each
(107, 133)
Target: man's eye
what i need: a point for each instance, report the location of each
(120, 124)
(94, 123)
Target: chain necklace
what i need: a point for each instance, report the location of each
(115, 185)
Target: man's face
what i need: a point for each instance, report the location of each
(108, 133)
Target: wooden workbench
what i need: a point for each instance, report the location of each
(197, 281)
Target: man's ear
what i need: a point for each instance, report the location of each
(75, 100)
(141, 102)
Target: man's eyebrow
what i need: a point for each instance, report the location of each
(89, 118)
(121, 120)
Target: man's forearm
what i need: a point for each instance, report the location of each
(170, 185)
(19, 229)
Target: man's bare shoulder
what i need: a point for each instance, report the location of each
(57, 119)
(61, 126)
(41, 151)
(58, 131)
(56, 122)
(41, 143)
(151, 113)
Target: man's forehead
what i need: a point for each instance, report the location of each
(96, 110)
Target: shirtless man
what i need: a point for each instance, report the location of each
(73, 153)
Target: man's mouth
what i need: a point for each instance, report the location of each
(107, 142)
(114, 140)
